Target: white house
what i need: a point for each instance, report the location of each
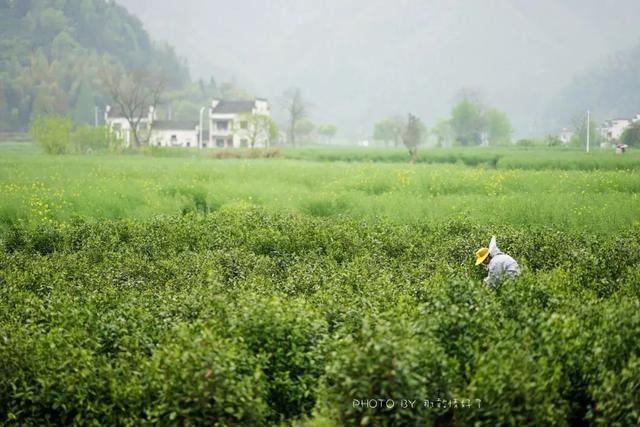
(565, 135)
(164, 133)
(611, 130)
(174, 133)
(117, 123)
(226, 127)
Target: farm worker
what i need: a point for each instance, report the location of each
(500, 265)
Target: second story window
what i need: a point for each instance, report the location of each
(223, 125)
(243, 124)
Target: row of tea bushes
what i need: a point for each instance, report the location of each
(241, 317)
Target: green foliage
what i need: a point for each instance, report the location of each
(53, 50)
(90, 139)
(521, 187)
(303, 130)
(473, 124)
(258, 128)
(498, 127)
(443, 132)
(468, 121)
(52, 133)
(389, 359)
(553, 141)
(197, 377)
(328, 130)
(579, 139)
(56, 135)
(524, 142)
(241, 317)
(389, 130)
(631, 135)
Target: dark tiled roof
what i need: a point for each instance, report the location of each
(115, 113)
(175, 124)
(233, 107)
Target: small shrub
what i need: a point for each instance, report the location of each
(52, 133)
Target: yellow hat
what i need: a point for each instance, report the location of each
(481, 255)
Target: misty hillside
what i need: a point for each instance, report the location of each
(610, 89)
(51, 52)
(357, 61)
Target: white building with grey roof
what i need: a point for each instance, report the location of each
(227, 124)
(174, 133)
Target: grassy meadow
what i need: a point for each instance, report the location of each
(320, 288)
(37, 188)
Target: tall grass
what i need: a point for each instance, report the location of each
(35, 188)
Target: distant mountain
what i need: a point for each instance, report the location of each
(51, 52)
(357, 61)
(610, 90)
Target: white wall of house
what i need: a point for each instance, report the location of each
(174, 138)
(226, 130)
(613, 129)
(565, 136)
(120, 125)
(221, 128)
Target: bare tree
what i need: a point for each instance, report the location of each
(296, 110)
(412, 136)
(134, 94)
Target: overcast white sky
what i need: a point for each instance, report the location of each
(357, 61)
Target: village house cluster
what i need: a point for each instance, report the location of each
(610, 131)
(229, 126)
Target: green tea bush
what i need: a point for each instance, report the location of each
(289, 339)
(387, 361)
(244, 317)
(200, 378)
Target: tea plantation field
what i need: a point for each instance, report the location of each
(139, 290)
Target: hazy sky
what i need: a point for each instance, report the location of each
(359, 60)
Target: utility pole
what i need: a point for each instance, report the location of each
(588, 129)
(200, 128)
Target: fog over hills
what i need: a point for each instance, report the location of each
(357, 61)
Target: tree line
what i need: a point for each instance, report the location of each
(52, 52)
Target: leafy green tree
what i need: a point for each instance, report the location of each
(468, 121)
(303, 129)
(389, 130)
(443, 132)
(51, 53)
(327, 130)
(498, 127)
(83, 109)
(631, 135)
(552, 141)
(412, 136)
(257, 127)
(52, 133)
(88, 139)
(231, 91)
(579, 138)
(64, 45)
